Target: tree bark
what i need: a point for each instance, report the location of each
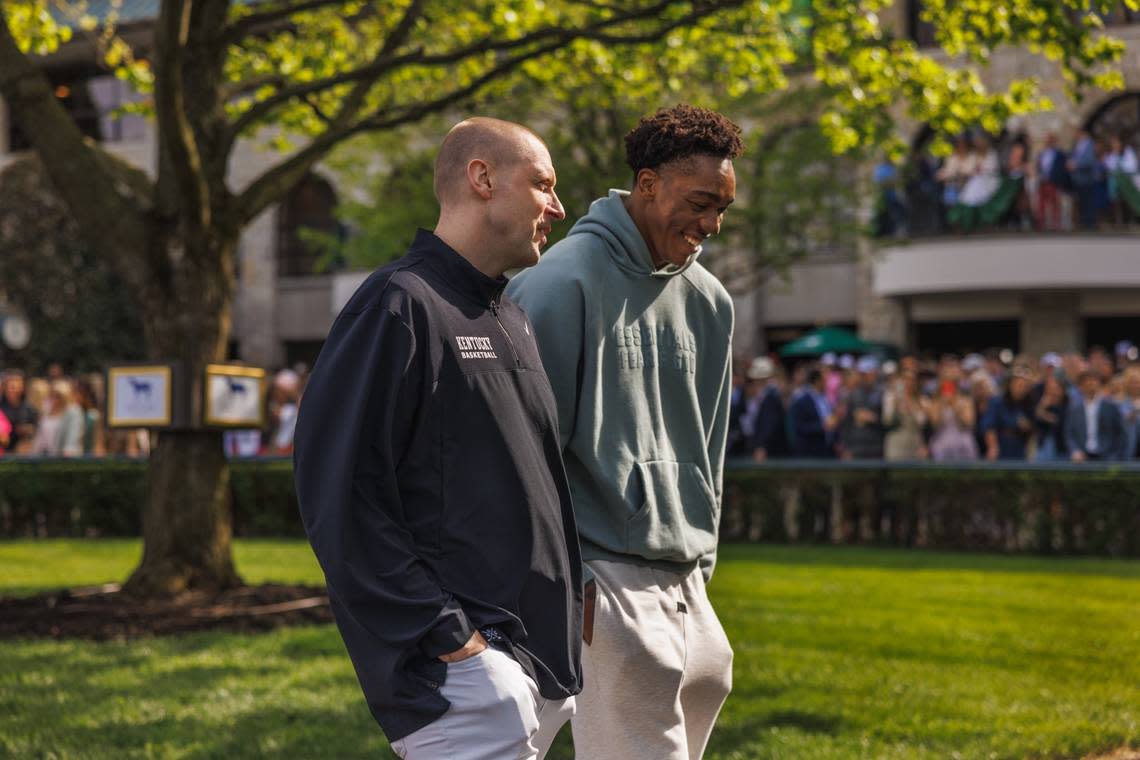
(186, 521)
(186, 518)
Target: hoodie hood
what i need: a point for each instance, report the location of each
(609, 220)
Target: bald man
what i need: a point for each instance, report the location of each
(429, 475)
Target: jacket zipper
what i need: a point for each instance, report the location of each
(510, 341)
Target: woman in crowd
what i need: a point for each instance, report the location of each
(956, 171)
(952, 416)
(1120, 165)
(1007, 424)
(92, 420)
(49, 435)
(986, 176)
(905, 413)
(1049, 420)
(1130, 411)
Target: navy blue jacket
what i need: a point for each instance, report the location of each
(809, 438)
(1111, 437)
(770, 428)
(431, 485)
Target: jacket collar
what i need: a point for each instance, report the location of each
(459, 273)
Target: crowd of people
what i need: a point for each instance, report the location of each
(61, 415)
(990, 406)
(1056, 189)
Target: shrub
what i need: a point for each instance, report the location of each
(1060, 509)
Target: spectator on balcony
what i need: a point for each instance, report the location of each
(890, 212)
(763, 422)
(1050, 409)
(1120, 165)
(986, 176)
(1087, 174)
(862, 433)
(20, 413)
(1017, 167)
(1007, 424)
(1130, 412)
(923, 195)
(1052, 177)
(1094, 428)
(905, 414)
(812, 422)
(952, 416)
(956, 170)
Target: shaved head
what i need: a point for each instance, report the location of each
(499, 144)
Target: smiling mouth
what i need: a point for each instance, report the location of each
(692, 241)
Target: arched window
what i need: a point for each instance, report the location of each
(307, 213)
(1118, 116)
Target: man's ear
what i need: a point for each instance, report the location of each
(647, 182)
(479, 177)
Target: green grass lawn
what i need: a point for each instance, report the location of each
(840, 653)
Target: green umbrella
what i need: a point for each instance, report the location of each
(825, 339)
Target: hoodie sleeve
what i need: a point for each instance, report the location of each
(556, 308)
(356, 415)
(718, 434)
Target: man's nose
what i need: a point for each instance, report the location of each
(554, 208)
(710, 223)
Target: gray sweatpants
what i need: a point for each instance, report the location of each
(657, 671)
(496, 713)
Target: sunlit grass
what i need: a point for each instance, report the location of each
(840, 653)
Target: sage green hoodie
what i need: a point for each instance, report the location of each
(639, 362)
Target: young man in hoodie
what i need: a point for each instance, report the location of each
(635, 336)
(429, 474)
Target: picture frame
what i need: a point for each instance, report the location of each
(234, 396)
(140, 396)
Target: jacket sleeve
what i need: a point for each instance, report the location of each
(1072, 433)
(356, 417)
(557, 311)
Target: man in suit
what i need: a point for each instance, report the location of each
(1094, 428)
(812, 421)
(764, 415)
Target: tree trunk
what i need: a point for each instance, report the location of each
(187, 522)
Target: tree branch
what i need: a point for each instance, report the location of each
(180, 165)
(255, 22)
(272, 184)
(109, 199)
(381, 65)
(351, 103)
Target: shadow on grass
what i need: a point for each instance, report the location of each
(897, 558)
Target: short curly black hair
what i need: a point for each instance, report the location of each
(677, 133)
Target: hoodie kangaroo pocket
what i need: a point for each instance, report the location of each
(677, 520)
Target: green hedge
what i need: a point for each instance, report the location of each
(1086, 509)
(1058, 508)
(104, 497)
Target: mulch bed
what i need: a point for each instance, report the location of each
(103, 613)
